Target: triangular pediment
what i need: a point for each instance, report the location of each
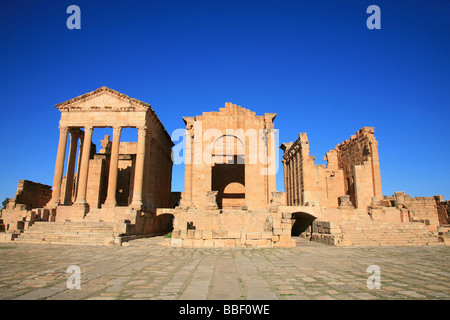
(103, 99)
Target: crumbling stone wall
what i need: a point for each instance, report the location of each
(352, 169)
(358, 158)
(444, 212)
(433, 211)
(32, 194)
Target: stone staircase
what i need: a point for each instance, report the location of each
(70, 233)
(375, 233)
(94, 215)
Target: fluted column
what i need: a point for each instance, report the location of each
(299, 178)
(139, 169)
(285, 181)
(113, 167)
(291, 176)
(294, 163)
(84, 167)
(80, 150)
(59, 167)
(71, 167)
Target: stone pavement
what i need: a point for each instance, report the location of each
(143, 269)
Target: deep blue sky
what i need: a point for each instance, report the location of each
(314, 63)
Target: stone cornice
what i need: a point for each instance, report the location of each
(72, 104)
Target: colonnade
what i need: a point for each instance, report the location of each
(292, 177)
(83, 166)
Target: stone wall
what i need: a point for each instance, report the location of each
(231, 136)
(352, 169)
(231, 228)
(444, 212)
(32, 194)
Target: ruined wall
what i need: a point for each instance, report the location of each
(307, 183)
(444, 212)
(238, 228)
(352, 169)
(433, 211)
(358, 158)
(32, 194)
(203, 153)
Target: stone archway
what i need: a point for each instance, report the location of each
(302, 224)
(228, 172)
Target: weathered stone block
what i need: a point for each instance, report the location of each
(234, 234)
(278, 231)
(207, 234)
(218, 234)
(266, 235)
(208, 243)
(286, 215)
(176, 242)
(176, 233)
(198, 243)
(253, 235)
(188, 242)
(219, 243)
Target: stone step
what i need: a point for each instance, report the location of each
(81, 233)
(61, 242)
(68, 229)
(373, 233)
(65, 235)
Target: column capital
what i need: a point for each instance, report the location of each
(89, 129)
(117, 130)
(142, 130)
(63, 129)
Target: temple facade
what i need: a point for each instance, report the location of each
(123, 190)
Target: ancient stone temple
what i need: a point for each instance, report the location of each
(230, 196)
(352, 172)
(135, 176)
(341, 203)
(123, 190)
(125, 182)
(222, 159)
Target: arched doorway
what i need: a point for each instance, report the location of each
(302, 224)
(228, 172)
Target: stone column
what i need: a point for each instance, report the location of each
(80, 149)
(296, 176)
(113, 166)
(285, 181)
(71, 167)
(299, 178)
(59, 167)
(139, 169)
(84, 167)
(291, 175)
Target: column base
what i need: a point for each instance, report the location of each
(136, 205)
(80, 204)
(109, 204)
(52, 204)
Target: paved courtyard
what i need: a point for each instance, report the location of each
(143, 269)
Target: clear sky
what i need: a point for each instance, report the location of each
(314, 63)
